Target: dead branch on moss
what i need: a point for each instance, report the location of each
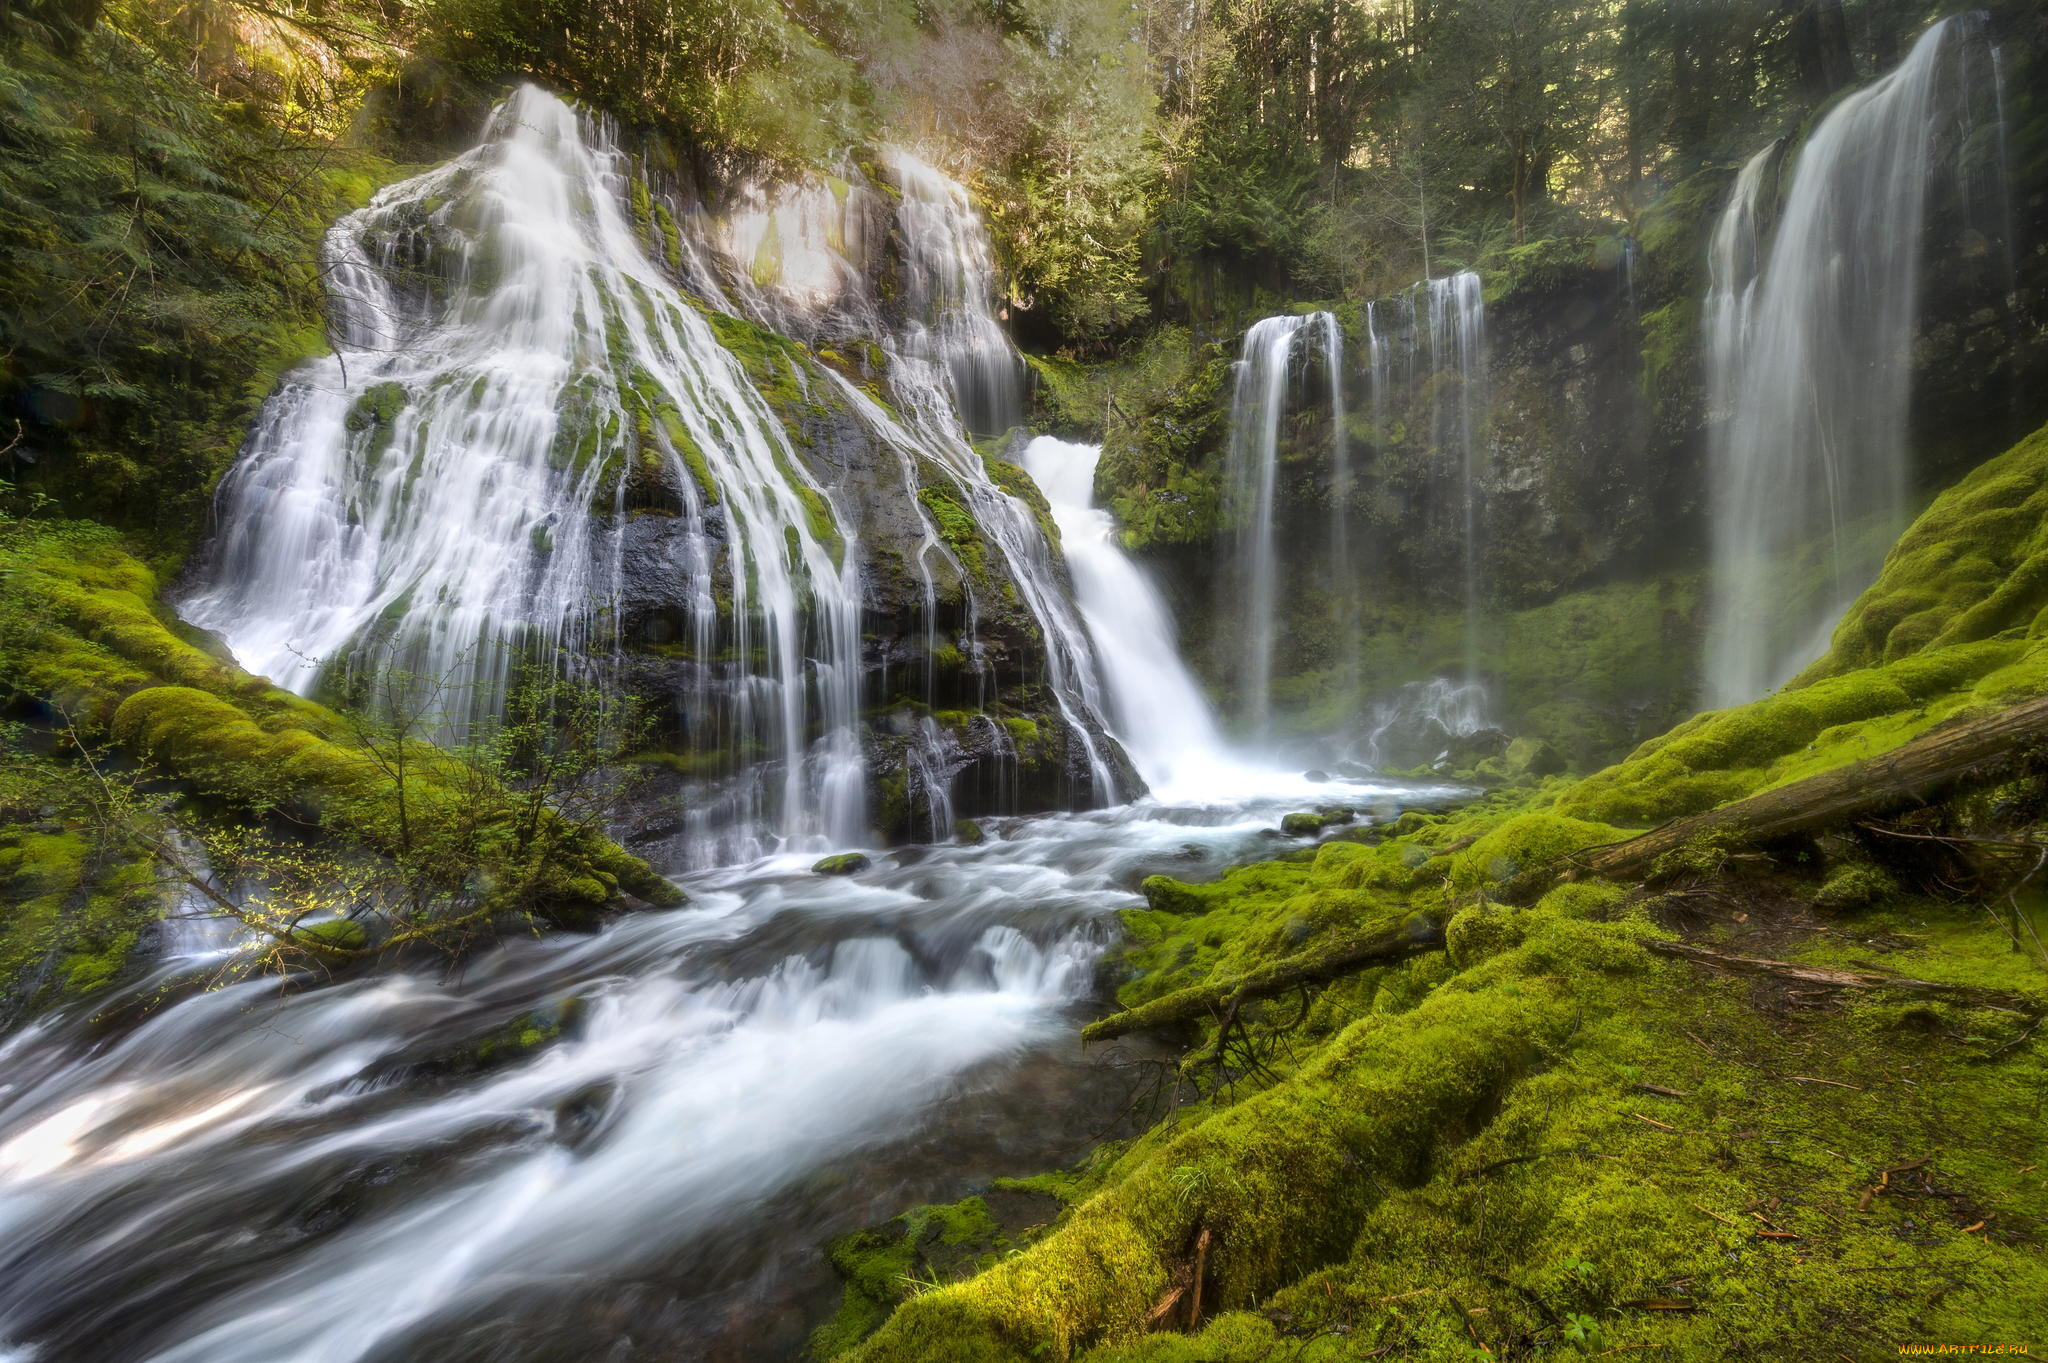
(1849, 979)
(2019, 929)
(1318, 964)
(1915, 773)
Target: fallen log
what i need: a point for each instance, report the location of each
(1343, 954)
(1914, 773)
(1848, 979)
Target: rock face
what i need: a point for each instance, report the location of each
(974, 672)
(1587, 531)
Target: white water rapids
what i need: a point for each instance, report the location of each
(246, 1175)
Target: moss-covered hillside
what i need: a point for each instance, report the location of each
(1440, 1095)
(106, 676)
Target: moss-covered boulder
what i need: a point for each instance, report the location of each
(83, 639)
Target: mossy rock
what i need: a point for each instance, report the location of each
(842, 864)
(332, 935)
(1480, 932)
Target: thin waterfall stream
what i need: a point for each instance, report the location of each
(1809, 359)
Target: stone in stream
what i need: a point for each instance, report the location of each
(842, 864)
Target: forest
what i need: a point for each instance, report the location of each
(1120, 681)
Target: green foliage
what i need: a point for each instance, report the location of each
(426, 843)
(157, 270)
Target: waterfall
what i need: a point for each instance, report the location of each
(1809, 371)
(1734, 256)
(1432, 339)
(948, 285)
(950, 370)
(1456, 311)
(1344, 585)
(513, 378)
(1418, 723)
(1256, 403)
(1155, 708)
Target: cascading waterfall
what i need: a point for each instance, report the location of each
(1434, 334)
(1734, 256)
(950, 368)
(452, 485)
(948, 284)
(1809, 367)
(1257, 401)
(1156, 709)
(1344, 586)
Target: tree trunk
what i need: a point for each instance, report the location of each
(1845, 979)
(1913, 774)
(1325, 961)
(1820, 47)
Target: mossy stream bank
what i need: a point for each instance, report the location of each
(1543, 1137)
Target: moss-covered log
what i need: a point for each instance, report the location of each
(1915, 773)
(1366, 1117)
(1389, 940)
(1846, 979)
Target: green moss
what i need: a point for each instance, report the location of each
(333, 934)
(79, 630)
(771, 361)
(1856, 885)
(671, 235)
(72, 911)
(375, 412)
(1525, 842)
(690, 452)
(956, 526)
(842, 864)
(886, 1265)
(1018, 484)
(1973, 566)
(641, 204)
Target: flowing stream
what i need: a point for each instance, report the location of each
(628, 1145)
